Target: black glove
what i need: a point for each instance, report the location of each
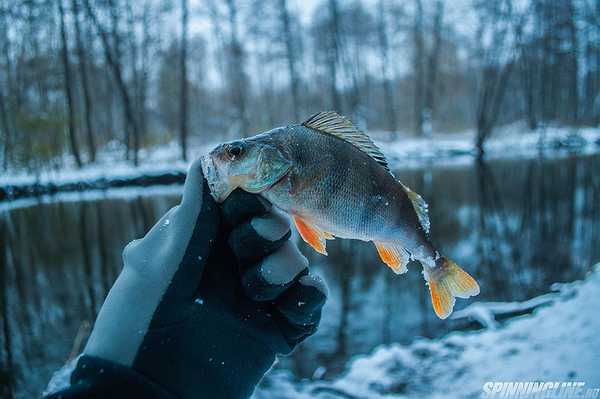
(204, 303)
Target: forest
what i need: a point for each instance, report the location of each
(78, 77)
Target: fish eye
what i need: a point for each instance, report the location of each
(234, 151)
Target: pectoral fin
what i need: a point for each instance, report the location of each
(312, 235)
(394, 256)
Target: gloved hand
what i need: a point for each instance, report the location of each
(203, 304)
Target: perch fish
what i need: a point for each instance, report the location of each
(334, 182)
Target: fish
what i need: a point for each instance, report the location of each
(334, 182)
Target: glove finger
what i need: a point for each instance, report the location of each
(241, 206)
(299, 311)
(267, 279)
(259, 237)
(302, 302)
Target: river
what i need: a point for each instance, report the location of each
(516, 225)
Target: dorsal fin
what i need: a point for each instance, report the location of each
(421, 207)
(331, 122)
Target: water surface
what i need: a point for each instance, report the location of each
(518, 226)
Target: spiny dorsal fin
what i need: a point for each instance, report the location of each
(421, 207)
(331, 122)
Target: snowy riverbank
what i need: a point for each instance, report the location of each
(162, 165)
(558, 342)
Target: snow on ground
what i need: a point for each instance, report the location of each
(513, 140)
(109, 164)
(510, 141)
(559, 342)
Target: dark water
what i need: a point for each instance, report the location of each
(518, 226)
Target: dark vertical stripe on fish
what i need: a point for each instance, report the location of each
(339, 158)
(372, 205)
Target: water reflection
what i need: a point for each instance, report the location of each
(518, 226)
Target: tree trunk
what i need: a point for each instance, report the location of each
(238, 77)
(143, 85)
(596, 99)
(432, 68)
(117, 59)
(574, 64)
(183, 79)
(7, 144)
(290, 57)
(334, 54)
(494, 83)
(114, 28)
(384, 49)
(87, 101)
(68, 87)
(418, 67)
(134, 74)
(7, 118)
(117, 74)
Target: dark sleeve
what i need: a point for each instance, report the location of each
(98, 378)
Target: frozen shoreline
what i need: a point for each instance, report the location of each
(162, 166)
(558, 342)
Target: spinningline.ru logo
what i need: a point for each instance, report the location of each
(539, 390)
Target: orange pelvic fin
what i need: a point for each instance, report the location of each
(446, 282)
(312, 235)
(394, 256)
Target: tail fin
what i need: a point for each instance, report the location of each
(447, 281)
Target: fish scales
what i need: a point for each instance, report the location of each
(342, 189)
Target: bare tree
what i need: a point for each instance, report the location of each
(384, 52)
(116, 69)
(85, 85)
(147, 41)
(529, 72)
(183, 79)
(418, 66)
(334, 53)
(5, 122)
(497, 62)
(133, 63)
(570, 21)
(357, 36)
(113, 9)
(238, 77)
(290, 55)
(432, 66)
(68, 86)
(6, 134)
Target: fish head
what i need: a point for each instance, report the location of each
(253, 164)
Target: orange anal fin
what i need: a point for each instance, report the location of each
(441, 299)
(394, 256)
(311, 234)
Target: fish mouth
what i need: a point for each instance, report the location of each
(219, 189)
